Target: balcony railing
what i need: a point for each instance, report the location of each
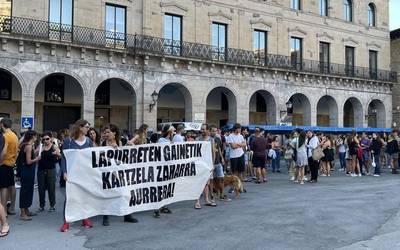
(148, 45)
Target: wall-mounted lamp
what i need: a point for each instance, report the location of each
(154, 97)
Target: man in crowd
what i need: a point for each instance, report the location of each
(218, 162)
(205, 136)
(178, 137)
(312, 143)
(237, 143)
(395, 134)
(258, 145)
(8, 157)
(365, 144)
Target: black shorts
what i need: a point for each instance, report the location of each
(258, 162)
(6, 176)
(237, 164)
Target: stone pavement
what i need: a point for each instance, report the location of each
(337, 213)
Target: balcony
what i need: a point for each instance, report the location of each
(24, 28)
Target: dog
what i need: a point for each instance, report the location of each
(235, 183)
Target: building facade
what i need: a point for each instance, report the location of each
(135, 61)
(395, 60)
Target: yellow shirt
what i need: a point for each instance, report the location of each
(10, 156)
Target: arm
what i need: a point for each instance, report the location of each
(3, 152)
(29, 160)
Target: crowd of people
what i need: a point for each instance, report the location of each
(238, 152)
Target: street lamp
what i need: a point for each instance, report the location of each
(154, 97)
(289, 107)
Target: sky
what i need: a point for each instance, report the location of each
(394, 14)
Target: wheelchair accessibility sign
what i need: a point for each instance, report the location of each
(27, 122)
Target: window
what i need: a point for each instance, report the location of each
(295, 4)
(373, 64)
(296, 52)
(323, 7)
(60, 20)
(5, 7)
(102, 96)
(172, 34)
(219, 42)
(371, 15)
(115, 26)
(5, 15)
(349, 61)
(348, 10)
(54, 89)
(324, 57)
(5, 86)
(260, 45)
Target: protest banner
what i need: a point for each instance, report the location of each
(120, 181)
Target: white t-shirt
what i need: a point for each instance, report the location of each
(238, 152)
(178, 138)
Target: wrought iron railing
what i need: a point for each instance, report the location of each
(148, 45)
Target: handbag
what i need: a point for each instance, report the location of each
(317, 153)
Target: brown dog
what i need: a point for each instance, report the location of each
(235, 183)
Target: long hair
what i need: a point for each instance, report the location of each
(97, 141)
(29, 135)
(114, 128)
(76, 128)
(302, 138)
(141, 132)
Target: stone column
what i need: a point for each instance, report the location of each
(28, 107)
(88, 108)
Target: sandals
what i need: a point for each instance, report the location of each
(197, 206)
(211, 204)
(5, 233)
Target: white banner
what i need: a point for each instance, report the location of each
(108, 181)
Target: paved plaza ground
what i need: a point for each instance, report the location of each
(337, 213)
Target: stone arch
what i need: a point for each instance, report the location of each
(174, 92)
(128, 81)
(301, 114)
(85, 88)
(353, 115)
(221, 106)
(267, 114)
(376, 114)
(327, 112)
(11, 96)
(53, 114)
(115, 101)
(20, 79)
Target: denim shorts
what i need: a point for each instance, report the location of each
(218, 171)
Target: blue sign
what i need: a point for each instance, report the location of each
(27, 122)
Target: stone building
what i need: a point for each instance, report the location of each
(395, 60)
(220, 61)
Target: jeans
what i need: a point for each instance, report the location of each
(47, 181)
(276, 163)
(377, 165)
(342, 159)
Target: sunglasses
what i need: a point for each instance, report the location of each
(45, 139)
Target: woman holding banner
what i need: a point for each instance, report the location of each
(112, 139)
(78, 140)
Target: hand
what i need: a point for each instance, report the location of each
(65, 176)
(38, 158)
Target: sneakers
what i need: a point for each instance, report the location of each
(41, 209)
(87, 223)
(64, 227)
(292, 179)
(353, 175)
(376, 175)
(359, 175)
(52, 209)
